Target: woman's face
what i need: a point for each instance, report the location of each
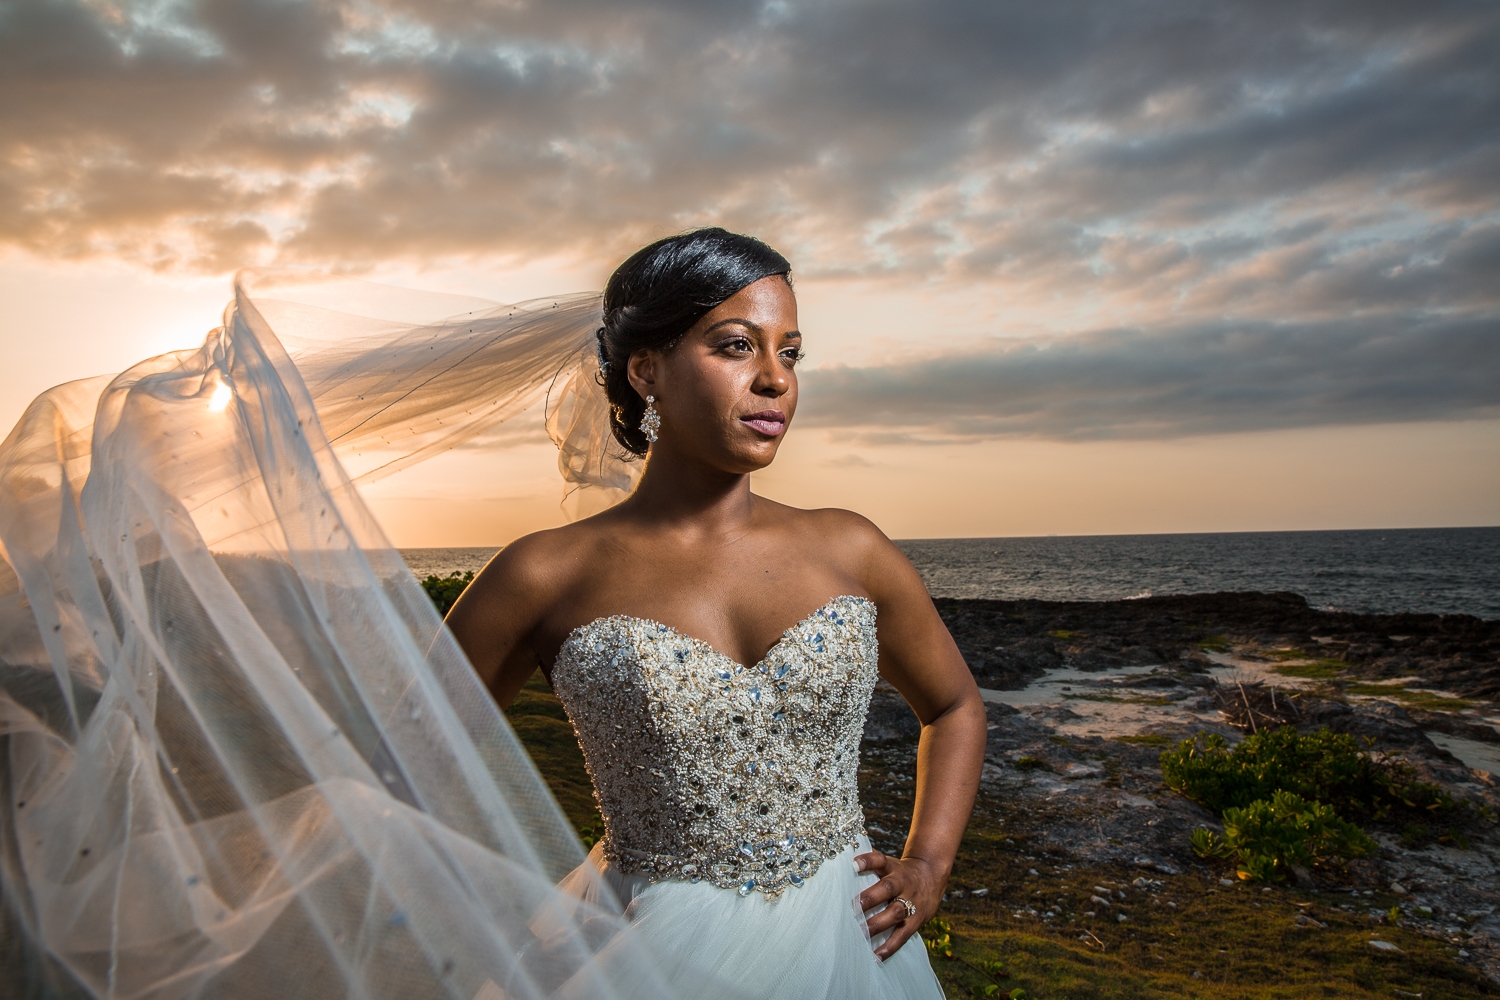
(726, 393)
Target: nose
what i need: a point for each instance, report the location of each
(771, 378)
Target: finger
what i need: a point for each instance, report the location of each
(889, 917)
(898, 937)
(872, 861)
(883, 891)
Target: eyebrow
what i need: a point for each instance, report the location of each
(755, 327)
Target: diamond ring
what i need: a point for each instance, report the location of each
(911, 911)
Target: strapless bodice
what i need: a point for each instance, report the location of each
(705, 769)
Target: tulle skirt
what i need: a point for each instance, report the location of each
(809, 943)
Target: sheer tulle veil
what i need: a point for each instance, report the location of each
(239, 755)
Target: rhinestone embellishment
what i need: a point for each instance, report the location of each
(706, 770)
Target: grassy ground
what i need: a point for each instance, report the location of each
(539, 720)
(1241, 942)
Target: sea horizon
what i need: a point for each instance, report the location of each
(1364, 570)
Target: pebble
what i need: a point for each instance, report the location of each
(1226, 881)
(981, 891)
(1385, 946)
(1398, 888)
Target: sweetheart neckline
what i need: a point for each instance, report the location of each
(785, 633)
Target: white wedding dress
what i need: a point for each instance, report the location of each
(240, 756)
(730, 799)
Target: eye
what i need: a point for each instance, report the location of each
(741, 344)
(792, 355)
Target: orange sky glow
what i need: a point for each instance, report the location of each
(1182, 271)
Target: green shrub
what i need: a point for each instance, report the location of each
(1290, 798)
(937, 934)
(444, 590)
(593, 831)
(1268, 836)
(1321, 766)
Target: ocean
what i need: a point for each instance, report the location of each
(1438, 570)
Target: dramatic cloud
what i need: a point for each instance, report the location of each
(1157, 189)
(1170, 383)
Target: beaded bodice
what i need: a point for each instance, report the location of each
(705, 769)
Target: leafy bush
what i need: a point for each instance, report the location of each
(1268, 836)
(593, 831)
(937, 934)
(444, 590)
(1321, 766)
(1290, 798)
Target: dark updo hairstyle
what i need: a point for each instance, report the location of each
(657, 295)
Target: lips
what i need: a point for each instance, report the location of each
(767, 422)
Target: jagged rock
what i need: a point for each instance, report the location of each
(890, 717)
(1381, 721)
(1009, 642)
(1125, 816)
(1445, 722)
(1010, 667)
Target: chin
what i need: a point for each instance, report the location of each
(752, 459)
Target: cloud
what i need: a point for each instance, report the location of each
(868, 135)
(1175, 172)
(1173, 383)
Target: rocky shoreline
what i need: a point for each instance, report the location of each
(1083, 697)
(1008, 643)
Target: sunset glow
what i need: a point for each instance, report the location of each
(1159, 267)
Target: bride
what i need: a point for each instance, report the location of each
(716, 652)
(241, 756)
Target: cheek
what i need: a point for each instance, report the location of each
(717, 389)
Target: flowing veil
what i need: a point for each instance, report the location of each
(239, 754)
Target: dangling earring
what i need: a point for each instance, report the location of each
(650, 420)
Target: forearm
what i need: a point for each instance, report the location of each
(950, 756)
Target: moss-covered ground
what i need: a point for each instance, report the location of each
(1240, 941)
(1409, 697)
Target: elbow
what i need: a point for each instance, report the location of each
(965, 713)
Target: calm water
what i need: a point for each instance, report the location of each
(1443, 570)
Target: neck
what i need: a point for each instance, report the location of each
(676, 489)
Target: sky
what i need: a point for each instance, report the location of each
(1063, 268)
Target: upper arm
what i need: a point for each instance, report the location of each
(496, 618)
(917, 654)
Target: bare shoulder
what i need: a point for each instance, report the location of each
(496, 618)
(541, 565)
(850, 539)
(847, 527)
